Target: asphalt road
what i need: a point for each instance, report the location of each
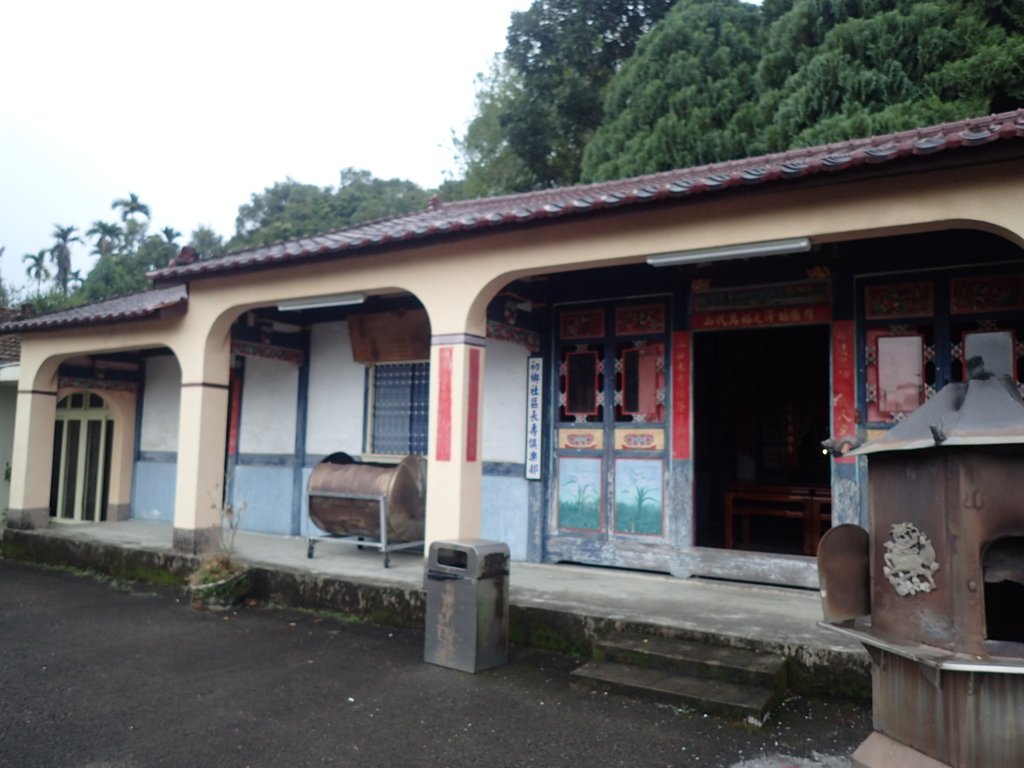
(100, 676)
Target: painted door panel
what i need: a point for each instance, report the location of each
(610, 441)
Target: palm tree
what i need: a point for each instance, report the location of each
(36, 269)
(75, 279)
(130, 206)
(134, 230)
(106, 235)
(171, 234)
(61, 254)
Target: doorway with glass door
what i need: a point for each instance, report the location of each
(608, 495)
(82, 440)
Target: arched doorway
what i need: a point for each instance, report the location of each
(83, 438)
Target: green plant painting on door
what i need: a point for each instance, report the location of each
(638, 496)
(579, 493)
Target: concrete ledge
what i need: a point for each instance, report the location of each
(534, 621)
(380, 604)
(168, 569)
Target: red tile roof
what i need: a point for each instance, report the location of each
(442, 219)
(10, 344)
(10, 348)
(134, 307)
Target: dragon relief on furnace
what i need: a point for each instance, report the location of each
(909, 560)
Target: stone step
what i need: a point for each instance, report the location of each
(715, 662)
(715, 697)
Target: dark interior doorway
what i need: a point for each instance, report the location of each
(761, 410)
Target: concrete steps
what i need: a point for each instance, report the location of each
(728, 682)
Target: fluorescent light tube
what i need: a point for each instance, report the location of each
(741, 251)
(321, 302)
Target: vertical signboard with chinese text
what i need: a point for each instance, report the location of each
(534, 388)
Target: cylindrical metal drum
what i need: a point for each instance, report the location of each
(344, 497)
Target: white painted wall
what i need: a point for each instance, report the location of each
(269, 404)
(504, 428)
(160, 404)
(336, 392)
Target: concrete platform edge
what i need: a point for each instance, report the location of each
(571, 632)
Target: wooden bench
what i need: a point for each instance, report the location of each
(810, 504)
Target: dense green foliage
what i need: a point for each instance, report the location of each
(827, 70)
(290, 209)
(127, 250)
(543, 100)
(489, 164)
(669, 105)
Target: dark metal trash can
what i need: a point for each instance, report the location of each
(467, 604)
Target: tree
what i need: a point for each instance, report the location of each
(706, 90)
(60, 253)
(154, 253)
(131, 207)
(833, 69)
(107, 236)
(290, 209)
(36, 269)
(565, 52)
(669, 105)
(489, 165)
(540, 104)
(362, 197)
(207, 243)
(115, 274)
(126, 254)
(6, 294)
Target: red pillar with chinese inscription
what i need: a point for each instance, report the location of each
(844, 386)
(681, 431)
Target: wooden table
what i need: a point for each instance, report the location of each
(810, 504)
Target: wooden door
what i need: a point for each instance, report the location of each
(610, 434)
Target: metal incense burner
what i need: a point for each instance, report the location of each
(935, 590)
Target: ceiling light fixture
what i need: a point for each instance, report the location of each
(322, 302)
(741, 251)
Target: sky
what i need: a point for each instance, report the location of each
(195, 106)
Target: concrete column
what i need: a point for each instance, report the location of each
(123, 407)
(454, 468)
(199, 490)
(33, 459)
(204, 358)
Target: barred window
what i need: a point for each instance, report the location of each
(398, 408)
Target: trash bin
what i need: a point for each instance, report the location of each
(467, 604)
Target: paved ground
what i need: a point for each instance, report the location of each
(103, 677)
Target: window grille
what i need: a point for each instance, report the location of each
(399, 408)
